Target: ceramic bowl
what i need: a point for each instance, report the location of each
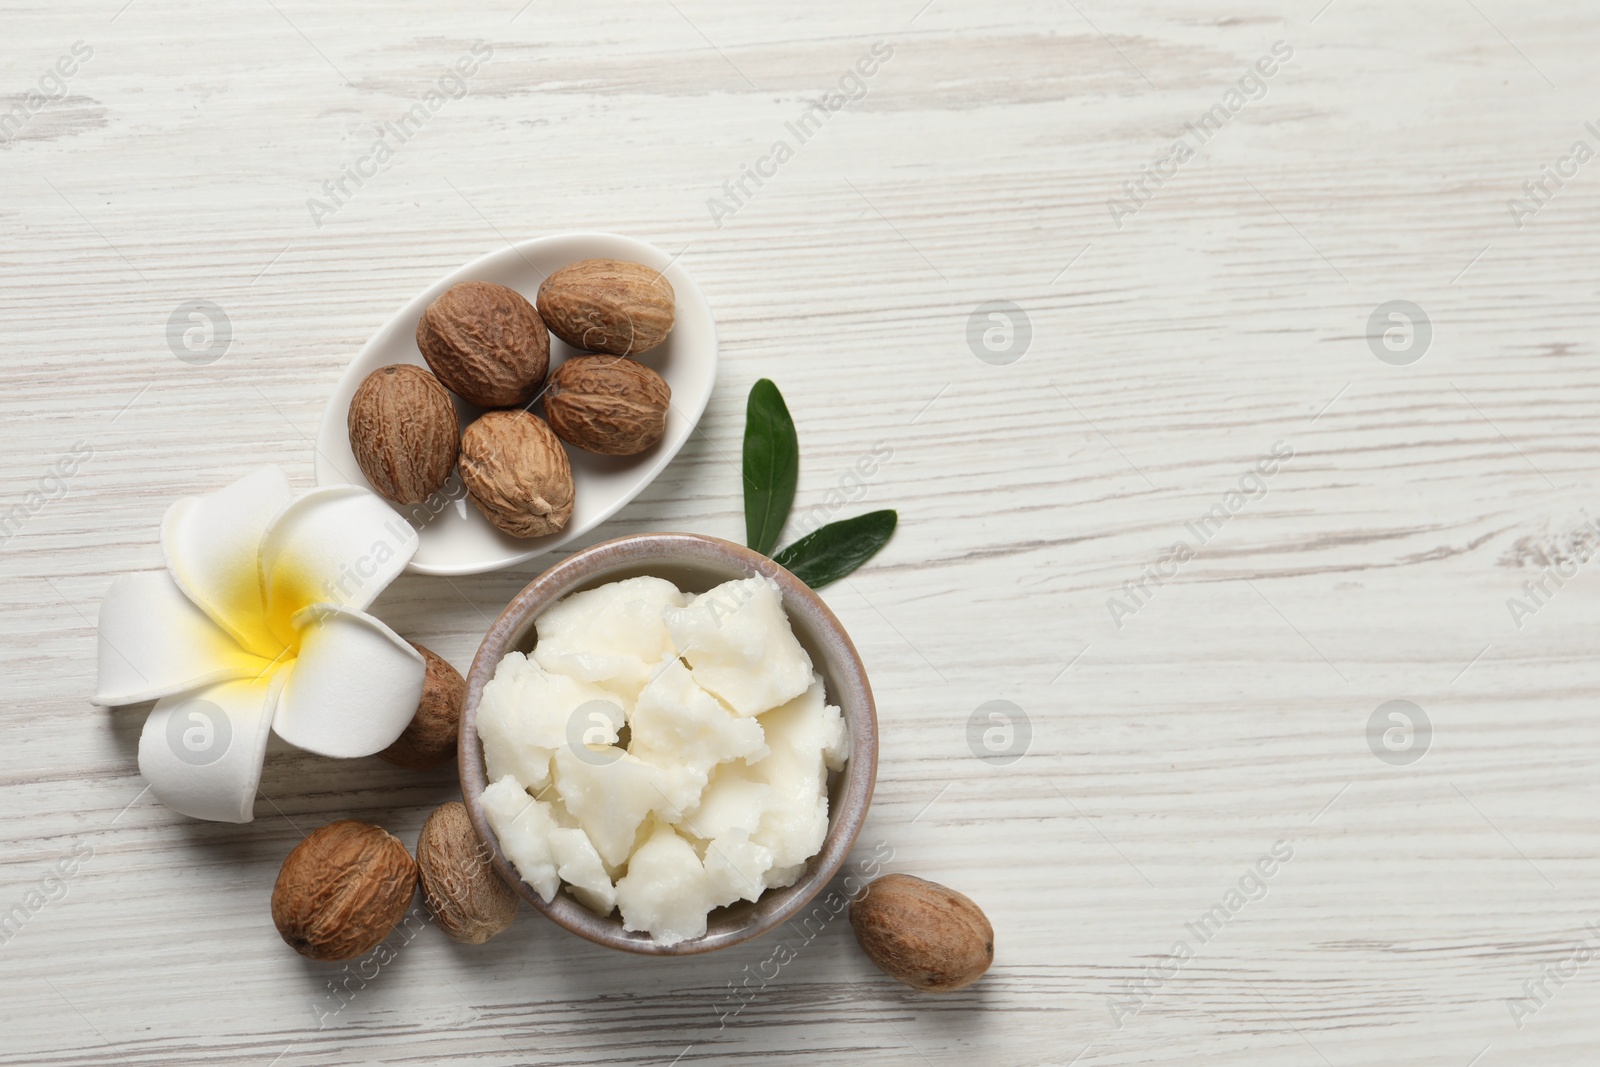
(695, 564)
(454, 537)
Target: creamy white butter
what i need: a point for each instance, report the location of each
(661, 753)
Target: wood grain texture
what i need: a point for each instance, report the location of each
(1169, 354)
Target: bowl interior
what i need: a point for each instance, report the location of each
(695, 564)
(454, 537)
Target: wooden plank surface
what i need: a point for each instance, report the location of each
(1176, 740)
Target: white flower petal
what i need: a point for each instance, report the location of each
(155, 642)
(212, 544)
(338, 544)
(202, 753)
(354, 687)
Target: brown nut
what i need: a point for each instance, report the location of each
(342, 890)
(471, 901)
(606, 404)
(608, 305)
(404, 432)
(922, 933)
(429, 739)
(486, 343)
(517, 473)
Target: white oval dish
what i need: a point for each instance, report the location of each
(455, 537)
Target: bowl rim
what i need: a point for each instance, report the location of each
(855, 700)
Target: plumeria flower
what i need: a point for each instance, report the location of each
(258, 625)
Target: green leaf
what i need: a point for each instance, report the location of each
(830, 552)
(771, 466)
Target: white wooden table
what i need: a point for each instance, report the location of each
(1171, 342)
